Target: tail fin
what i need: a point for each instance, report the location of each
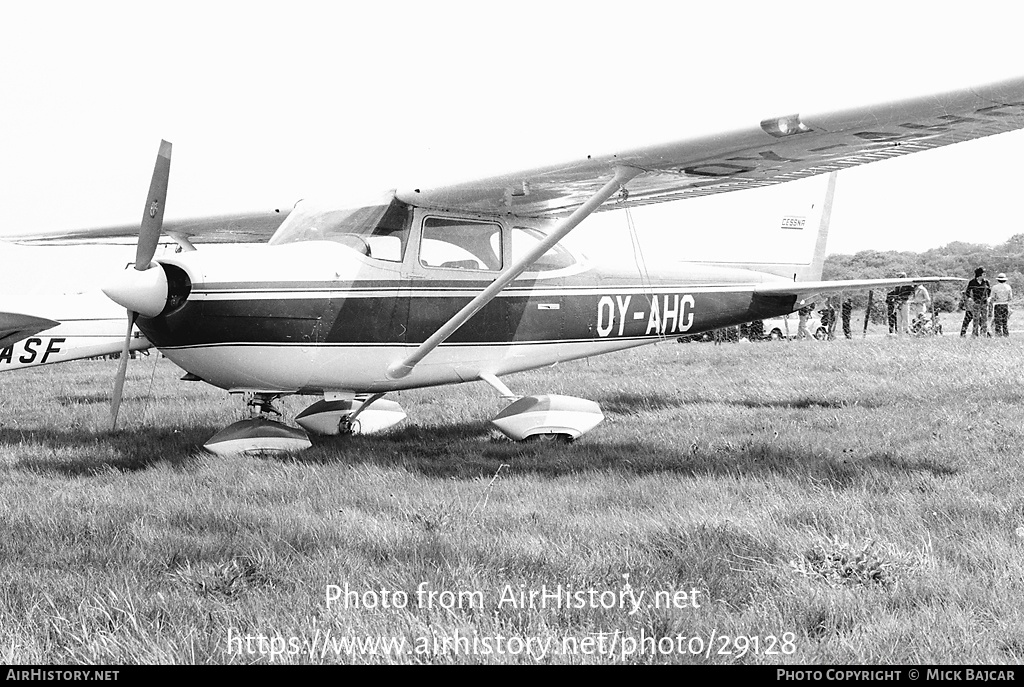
(806, 266)
(813, 272)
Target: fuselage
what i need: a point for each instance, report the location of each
(317, 315)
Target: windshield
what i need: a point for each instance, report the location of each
(524, 239)
(380, 230)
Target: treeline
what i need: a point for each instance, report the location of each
(957, 259)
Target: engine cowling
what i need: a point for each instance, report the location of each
(150, 292)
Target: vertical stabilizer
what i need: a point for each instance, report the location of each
(791, 255)
(813, 271)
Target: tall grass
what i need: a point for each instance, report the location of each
(861, 497)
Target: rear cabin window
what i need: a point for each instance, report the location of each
(461, 244)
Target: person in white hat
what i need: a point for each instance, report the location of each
(1001, 295)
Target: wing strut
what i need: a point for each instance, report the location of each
(401, 368)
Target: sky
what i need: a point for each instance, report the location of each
(270, 102)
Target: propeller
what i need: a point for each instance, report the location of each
(144, 289)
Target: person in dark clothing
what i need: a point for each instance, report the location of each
(755, 330)
(976, 297)
(847, 309)
(890, 309)
(828, 317)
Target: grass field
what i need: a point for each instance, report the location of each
(784, 503)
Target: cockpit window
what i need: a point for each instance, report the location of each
(379, 231)
(461, 244)
(525, 239)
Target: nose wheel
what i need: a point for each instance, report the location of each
(260, 435)
(263, 405)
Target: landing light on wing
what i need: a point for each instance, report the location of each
(781, 127)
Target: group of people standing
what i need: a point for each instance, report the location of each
(907, 307)
(828, 318)
(983, 302)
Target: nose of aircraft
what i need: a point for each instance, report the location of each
(141, 291)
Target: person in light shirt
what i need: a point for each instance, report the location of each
(1001, 295)
(802, 331)
(921, 303)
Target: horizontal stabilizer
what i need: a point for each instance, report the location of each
(14, 327)
(808, 291)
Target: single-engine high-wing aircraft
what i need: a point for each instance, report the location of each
(469, 282)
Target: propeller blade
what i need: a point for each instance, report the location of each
(122, 371)
(153, 216)
(149, 237)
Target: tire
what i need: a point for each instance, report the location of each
(775, 334)
(549, 438)
(820, 334)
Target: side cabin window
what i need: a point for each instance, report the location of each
(460, 244)
(525, 239)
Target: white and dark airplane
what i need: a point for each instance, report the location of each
(468, 282)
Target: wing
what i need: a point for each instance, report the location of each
(776, 150)
(252, 227)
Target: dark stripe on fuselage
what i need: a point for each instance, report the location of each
(522, 286)
(410, 316)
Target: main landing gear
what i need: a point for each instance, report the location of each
(544, 416)
(261, 435)
(364, 414)
(548, 416)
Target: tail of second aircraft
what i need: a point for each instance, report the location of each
(41, 330)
